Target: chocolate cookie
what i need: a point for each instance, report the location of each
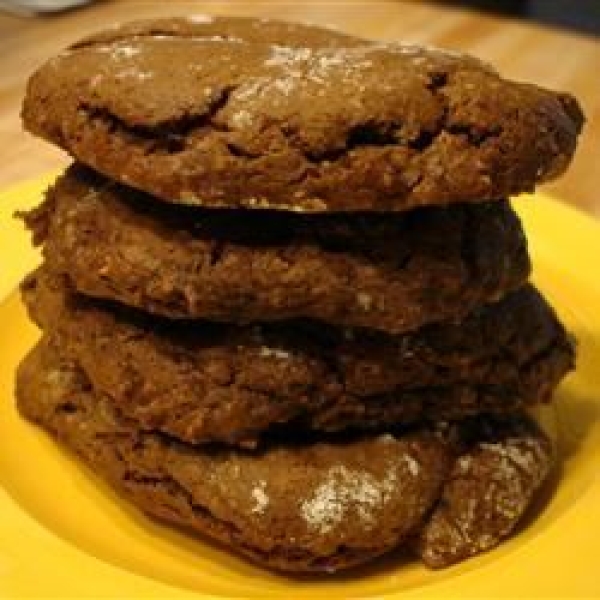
(248, 114)
(209, 382)
(305, 507)
(313, 508)
(488, 489)
(388, 272)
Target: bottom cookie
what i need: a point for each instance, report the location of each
(311, 506)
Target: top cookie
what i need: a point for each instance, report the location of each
(238, 112)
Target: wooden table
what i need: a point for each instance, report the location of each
(551, 57)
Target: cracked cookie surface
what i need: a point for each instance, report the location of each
(304, 507)
(218, 114)
(388, 272)
(206, 382)
(487, 490)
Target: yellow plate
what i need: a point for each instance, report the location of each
(63, 533)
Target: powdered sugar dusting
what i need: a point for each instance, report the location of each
(346, 490)
(267, 352)
(365, 301)
(344, 63)
(524, 458)
(171, 37)
(242, 119)
(298, 66)
(520, 469)
(419, 52)
(133, 73)
(200, 18)
(117, 51)
(501, 478)
(284, 56)
(124, 52)
(259, 495)
(251, 90)
(285, 86)
(410, 49)
(464, 463)
(413, 465)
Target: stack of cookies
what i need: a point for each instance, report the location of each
(284, 300)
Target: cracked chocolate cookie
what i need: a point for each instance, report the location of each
(303, 507)
(502, 464)
(387, 272)
(264, 115)
(205, 382)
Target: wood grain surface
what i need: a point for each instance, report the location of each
(550, 57)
